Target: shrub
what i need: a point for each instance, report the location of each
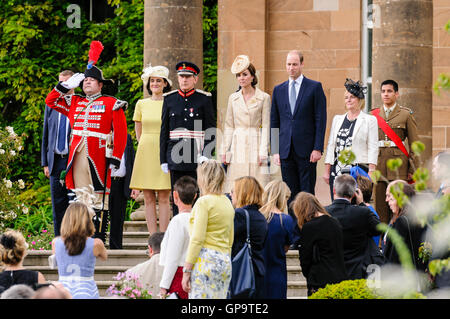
(348, 289)
(357, 289)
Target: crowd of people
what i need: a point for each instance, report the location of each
(192, 252)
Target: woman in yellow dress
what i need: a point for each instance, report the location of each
(147, 174)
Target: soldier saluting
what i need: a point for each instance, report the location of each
(397, 130)
(188, 126)
(98, 136)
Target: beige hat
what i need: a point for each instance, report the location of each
(155, 71)
(240, 64)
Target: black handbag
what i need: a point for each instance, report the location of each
(242, 283)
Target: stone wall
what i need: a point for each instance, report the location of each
(441, 64)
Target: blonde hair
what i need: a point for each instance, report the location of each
(362, 102)
(305, 207)
(13, 247)
(276, 194)
(247, 191)
(210, 177)
(76, 227)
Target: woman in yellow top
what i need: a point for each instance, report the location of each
(207, 269)
(147, 174)
(245, 146)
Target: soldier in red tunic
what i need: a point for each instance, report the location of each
(98, 137)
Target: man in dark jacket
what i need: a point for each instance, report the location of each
(358, 225)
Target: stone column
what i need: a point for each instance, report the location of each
(173, 32)
(403, 51)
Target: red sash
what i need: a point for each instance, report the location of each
(389, 132)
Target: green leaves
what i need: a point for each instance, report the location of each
(394, 163)
(346, 156)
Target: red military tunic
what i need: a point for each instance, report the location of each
(92, 119)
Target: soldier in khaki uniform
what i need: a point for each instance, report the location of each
(401, 120)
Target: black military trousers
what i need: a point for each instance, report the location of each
(174, 176)
(117, 211)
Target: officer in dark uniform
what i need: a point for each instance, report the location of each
(188, 126)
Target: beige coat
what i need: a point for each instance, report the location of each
(246, 137)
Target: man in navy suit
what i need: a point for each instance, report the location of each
(54, 153)
(298, 121)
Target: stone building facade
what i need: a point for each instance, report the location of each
(368, 40)
(330, 33)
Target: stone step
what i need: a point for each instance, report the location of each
(121, 260)
(297, 289)
(119, 257)
(133, 237)
(103, 273)
(135, 226)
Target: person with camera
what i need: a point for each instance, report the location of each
(359, 225)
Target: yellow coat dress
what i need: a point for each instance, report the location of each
(147, 173)
(246, 136)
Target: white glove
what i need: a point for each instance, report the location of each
(74, 81)
(165, 167)
(201, 159)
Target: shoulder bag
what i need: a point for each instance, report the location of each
(242, 283)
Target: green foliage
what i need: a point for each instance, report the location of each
(346, 156)
(348, 289)
(357, 289)
(394, 163)
(438, 265)
(36, 44)
(210, 45)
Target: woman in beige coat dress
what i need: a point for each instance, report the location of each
(245, 146)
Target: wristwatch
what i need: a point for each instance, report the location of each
(187, 270)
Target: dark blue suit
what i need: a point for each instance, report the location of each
(56, 163)
(299, 133)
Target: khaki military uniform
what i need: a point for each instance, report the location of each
(402, 122)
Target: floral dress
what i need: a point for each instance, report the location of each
(211, 275)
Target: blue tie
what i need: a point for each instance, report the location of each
(62, 134)
(292, 97)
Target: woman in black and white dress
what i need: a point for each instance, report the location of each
(355, 130)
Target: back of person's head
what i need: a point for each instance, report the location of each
(443, 159)
(154, 241)
(51, 292)
(345, 186)
(305, 207)
(13, 247)
(187, 189)
(366, 187)
(76, 227)
(390, 82)
(18, 292)
(210, 177)
(247, 191)
(276, 194)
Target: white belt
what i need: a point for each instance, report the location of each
(75, 278)
(186, 134)
(387, 144)
(91, 134)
